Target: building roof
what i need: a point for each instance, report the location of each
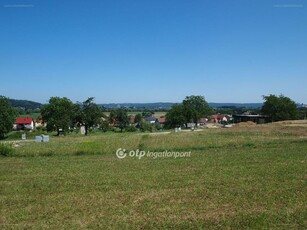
(23, 120)
(150, 119)
(162, 119)
(250, 115)
(203, 120)
(217, 116)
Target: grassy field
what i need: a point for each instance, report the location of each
(244, 177)
(32, 115)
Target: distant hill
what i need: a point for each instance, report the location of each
(236, 105)
(166, 105)
(25, 104)
(161, 105)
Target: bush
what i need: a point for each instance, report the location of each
(15, 135)
(6, 150)
(41, 129)
(104, 126)
(131, 128)
(116, 130)
(145, 127)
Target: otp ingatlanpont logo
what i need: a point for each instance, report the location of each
(121, 153)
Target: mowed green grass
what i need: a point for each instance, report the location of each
(235, 178)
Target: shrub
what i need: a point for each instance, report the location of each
(131, 128)
(144, 127)
(116, 130)
(104, 126)
(6, 150)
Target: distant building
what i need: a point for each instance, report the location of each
(190, 125)
(162, 120)
(219, 118)
(151, 119)
(202, 121)
(132, 119)
(257, 118)
(39, 123)
(23, 123)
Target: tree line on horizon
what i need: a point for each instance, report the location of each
(62, 114)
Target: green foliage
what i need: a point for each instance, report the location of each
(147, 113)
(235, 110)
(120, 118)
(59, 114)
(279, 108)
(104, 126)
(7, 116)
(175, 116)
(195, 107)
(138, 118)
(157, 126)
(33, 115)
(89, 114)
(146, 127)
(303, 113)
(5, 150)
(131, 128)
(191, 110)
(41, 128)
(25, 104)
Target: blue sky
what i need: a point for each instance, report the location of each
(153, 50)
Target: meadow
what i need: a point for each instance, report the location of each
(241, 177)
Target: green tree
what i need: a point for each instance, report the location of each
(120, 118)
(175, 117)
(59, 114)
(138, 118)
(89, 114)
(195, 107)
(144, 127)
(147, 113)
(279, 108)
(303, 113)
(104, 125)
(7, 116)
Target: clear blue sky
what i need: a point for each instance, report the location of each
(153, 50)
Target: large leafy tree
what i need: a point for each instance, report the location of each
(7, 116)
(120, 118)
(138, 119)
(195, 107)
(89, 114)
(59, 114)
(175, 117)
(279, 108)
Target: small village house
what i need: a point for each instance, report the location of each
(151, 119)
(162, 120)
(257, 118)
(23, 123)
(39, 123)
(219, 118)
(202, 121)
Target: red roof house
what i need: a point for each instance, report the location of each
(162, 120)
(24, 123)
(203, 120)
(218, 118)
